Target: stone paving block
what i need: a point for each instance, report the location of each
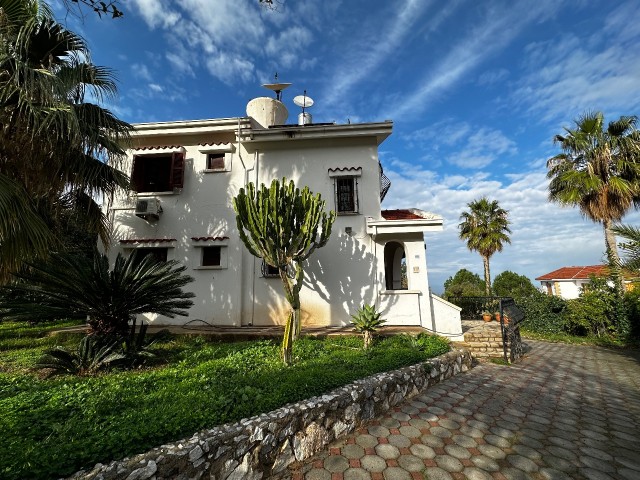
(552, 474)
(396, 473)
(473, 473)
(373, 463)
(422, 451)
(387, 451)
(492, 451)
(485, 463)
(432, 441)
(522, 463)
(336, 464)
(497, 441)
(353, 451)
(527, 451)
(390, 422)
(514, 474)
(410, 431)
(356, 474)
(318, 474)
(379, 431)
(464, 441)
(449, 463)
(449, 424)
(436, 473)
(410, 463)
(399, 441)
(366, 440)
(591, 474)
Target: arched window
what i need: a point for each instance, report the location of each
(395, 267)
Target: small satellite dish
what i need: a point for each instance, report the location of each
(303, 101)
(277, 87)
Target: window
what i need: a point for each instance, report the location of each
(268, 271)
(215, 161)
(211, 256)
(158, 173)
(346, 194)
(159, 253)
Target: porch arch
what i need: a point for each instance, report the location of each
(394, 258)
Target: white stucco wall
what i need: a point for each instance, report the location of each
(339, 278)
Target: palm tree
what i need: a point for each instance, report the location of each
(598, 171)
(74, 286)
(485, 227)
(55, 147)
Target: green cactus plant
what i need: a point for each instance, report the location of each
(367, 321)
(283, 225)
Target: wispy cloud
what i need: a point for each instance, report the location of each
(499, 27)
(372, 48)
(584, 71)
(463, 144)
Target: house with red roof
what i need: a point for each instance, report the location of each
(185, 174)
(568, 282)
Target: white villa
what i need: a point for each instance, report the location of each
(185, 174)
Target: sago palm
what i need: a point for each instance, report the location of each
(69, 285)
(598, 171)
(54, 145)
(485, 227)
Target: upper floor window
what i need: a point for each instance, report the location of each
(345, 184)
(211, 256)
(215, 161)
(158, 173)
(346, 194)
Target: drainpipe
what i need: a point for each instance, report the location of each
(256, 159)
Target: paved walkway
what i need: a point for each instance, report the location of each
(563, 412)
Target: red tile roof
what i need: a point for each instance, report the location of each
(160, 147)
(571, 273)
(147, 240)
(214, 144)
(400, 215)
(204, 239)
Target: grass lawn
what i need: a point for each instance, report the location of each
(610, 342)
(53, 427)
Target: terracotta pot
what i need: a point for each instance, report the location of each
(486, 317)
(506, 320)
(497, 317)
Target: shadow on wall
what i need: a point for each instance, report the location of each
(345, 278)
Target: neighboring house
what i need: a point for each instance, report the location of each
(185, 175)
(568, 282)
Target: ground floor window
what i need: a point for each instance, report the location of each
(211, 256)
(158, 253)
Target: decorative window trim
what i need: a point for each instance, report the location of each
(345, 172)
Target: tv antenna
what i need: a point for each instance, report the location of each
(305, 102)
(276, 87)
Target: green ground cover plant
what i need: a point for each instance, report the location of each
(55, 426)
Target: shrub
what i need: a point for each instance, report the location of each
(367, 321)
(543, 313)
(93, 354)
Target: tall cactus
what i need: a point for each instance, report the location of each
(283, 225)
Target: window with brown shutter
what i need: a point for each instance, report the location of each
(157, 173)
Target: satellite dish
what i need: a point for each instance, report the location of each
(276, 87)
(303, 101)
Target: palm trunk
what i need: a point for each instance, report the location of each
(613, 257)
(487, 275)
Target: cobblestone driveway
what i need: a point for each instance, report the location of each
(563, 412)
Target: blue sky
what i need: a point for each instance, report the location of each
(476, 91)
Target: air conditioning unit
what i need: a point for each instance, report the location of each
(148, 208)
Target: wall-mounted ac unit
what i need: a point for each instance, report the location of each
(148, 208)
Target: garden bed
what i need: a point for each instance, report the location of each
(53, 427)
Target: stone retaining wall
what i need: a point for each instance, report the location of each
(265, 445)
(484, 340)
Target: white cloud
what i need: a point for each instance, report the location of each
(156, 88)
(230, 69)
(545, 236)
(491, 77)
(141, 71)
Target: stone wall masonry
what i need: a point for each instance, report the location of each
(263, 446)
(484, 340)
